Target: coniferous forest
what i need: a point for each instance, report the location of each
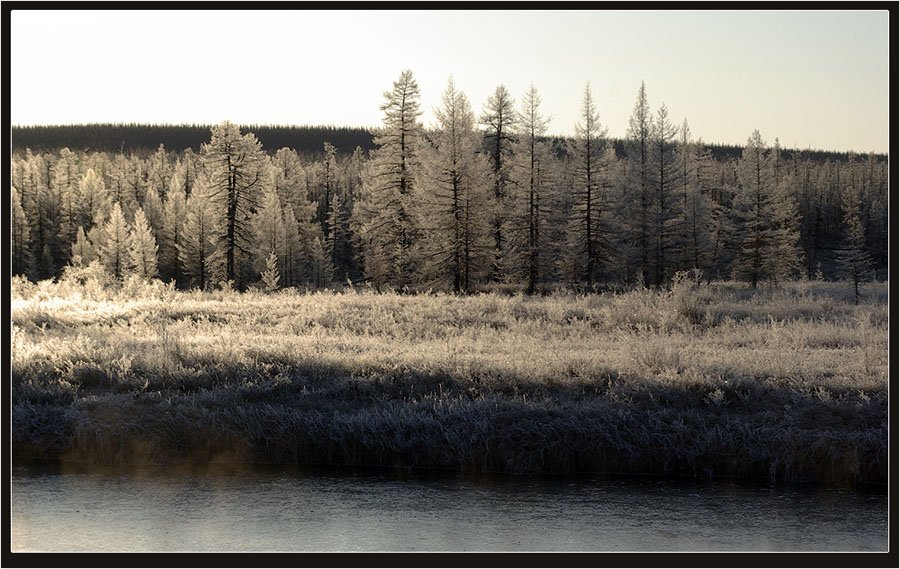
(483, 198)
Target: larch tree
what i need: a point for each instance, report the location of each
(854, 259)
(589, 238)
(698, 210)
(532, 200)
(499, 119)
(171, 233)
(383, 220)
(270, 277)
(20, 246)
(114, 244)
(142, 248)
(158, 172)
(41, 209)
(786, 258)
(290, 183)
(665, 208)
(236, 172)
(269, 233)
(455, 243)
(340, 244)
(328, 181)
(121, 180)
(201, 251)
(637, 199)
(66, 180)
(766, 219)
(296, 260)
(92, 198)
(83, 251)
(154, 209)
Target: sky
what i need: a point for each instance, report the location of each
(813, 79)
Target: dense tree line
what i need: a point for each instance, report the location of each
(474, 200)
(145, 139)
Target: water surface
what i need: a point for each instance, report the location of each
(286, 510)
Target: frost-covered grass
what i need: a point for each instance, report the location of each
(788, 383)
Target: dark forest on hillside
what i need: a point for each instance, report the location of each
(309, 140)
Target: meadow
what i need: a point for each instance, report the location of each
(787, 383)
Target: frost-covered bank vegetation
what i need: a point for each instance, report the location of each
(786, 383)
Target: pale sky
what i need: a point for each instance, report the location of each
(810, 78)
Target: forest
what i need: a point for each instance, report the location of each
(475, 202)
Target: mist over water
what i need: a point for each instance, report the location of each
(289, 510)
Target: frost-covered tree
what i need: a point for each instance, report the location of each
(142, 248)
(235, 171)
(698, 209)
(269, 232)
(590, 229)
(122, 180)
(328, 181)
(32, 180)
(158, 172)
(532, 201)
(154, 209)
(499, 119)
(637, 199)
(66, 180)
(19, 236)
(786, 259)
(201, 252)
(113, 244)
(383, 218)
(296, 260)
(767, 236)
(665, 206)
(290, 183)
(92, 197)
(270, 276)
(855, 259)
(83, 251)
(454, 202)
(171, 232)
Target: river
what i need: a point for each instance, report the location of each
(65, 509)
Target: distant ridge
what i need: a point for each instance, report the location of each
(144, 138)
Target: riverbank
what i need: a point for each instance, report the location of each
(785, 384)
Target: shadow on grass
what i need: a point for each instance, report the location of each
(313, 414)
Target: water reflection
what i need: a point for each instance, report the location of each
(279, 509)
